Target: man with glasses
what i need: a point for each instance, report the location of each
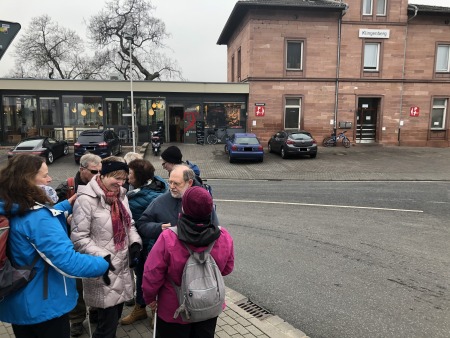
(163, 212)
(90, 165)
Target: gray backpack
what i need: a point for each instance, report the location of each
(202, 291)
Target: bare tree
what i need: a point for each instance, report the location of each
(122, 22)
(47, 50)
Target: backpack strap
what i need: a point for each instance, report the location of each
(70, 187)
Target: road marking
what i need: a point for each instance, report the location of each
(318, 205)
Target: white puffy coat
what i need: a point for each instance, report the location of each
(92, 233)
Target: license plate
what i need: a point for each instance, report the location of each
(303, 149)
(248, 149)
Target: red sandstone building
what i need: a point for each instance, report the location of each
(379, 69)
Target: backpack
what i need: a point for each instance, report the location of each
(202, 291)
(12, 277)
(196, 171)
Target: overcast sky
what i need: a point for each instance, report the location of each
(195, 26)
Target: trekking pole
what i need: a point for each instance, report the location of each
(88, 310)
(154, 318)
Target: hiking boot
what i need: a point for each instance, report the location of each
(130, 302)
(76, 329)
(138, 313)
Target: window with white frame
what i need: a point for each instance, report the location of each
(368, 5)
(371, 56)
(292, 112)
(438, 114)
(442, 58)
(294, 55)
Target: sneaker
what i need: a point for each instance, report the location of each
(138, 313)
(76, 329)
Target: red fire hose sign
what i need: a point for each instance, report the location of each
(260, 110)
(414, 111)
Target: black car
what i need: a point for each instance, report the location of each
(103, 143)
(44, 146)
(288, 143)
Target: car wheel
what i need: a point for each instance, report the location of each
(77, 160)
(230, 158)
(226, 149)
(283, 153)
(270, 148)
(261, 159)
(66, 150)
(50, 158)
(313, 155)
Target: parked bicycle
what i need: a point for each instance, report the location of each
(331, 141)
(218, 135)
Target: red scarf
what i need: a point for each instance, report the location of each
(120, 218)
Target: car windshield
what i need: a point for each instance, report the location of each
(30, 143)
(90, 138)
(300, 136)
(247, 140)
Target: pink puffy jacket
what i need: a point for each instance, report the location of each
(167, 259)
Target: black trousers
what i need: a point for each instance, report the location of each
(57, 327)
(205, 329)
(107, 321)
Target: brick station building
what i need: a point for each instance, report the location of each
(379, 69)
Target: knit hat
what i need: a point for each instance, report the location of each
(172, 155)
(110, 166)
(197, 203)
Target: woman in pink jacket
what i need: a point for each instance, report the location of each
(168, 256)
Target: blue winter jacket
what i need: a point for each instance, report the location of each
(42, 230)
(139, 199)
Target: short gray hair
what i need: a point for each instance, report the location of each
(131, 156)
(88, 158)
(188, 173)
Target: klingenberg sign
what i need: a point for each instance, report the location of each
(374, 33)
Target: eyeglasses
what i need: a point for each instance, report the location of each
(93, 172)
(177, 184)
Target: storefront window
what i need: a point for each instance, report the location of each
(49, 109)
(19, 113)
(219, 115)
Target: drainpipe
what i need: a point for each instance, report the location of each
(403, 71)
(338, 65)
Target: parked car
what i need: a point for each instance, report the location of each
(290, 143)
(44, 146)
(103, 143)
(244, 146)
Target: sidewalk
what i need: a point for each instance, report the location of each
(234, 322)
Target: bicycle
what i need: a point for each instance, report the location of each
(218, 135)
(331, 141)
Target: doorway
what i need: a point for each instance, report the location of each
(176, 124)
(367, 120)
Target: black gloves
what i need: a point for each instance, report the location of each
(110, 268)
(134, 252)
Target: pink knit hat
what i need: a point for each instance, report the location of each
(197, 203)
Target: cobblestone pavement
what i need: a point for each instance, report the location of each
(359, 162)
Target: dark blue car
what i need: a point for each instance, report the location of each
(244, 146)
(100, 142)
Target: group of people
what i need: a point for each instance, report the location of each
(102, 240)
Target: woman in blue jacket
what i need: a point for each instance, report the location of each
(40, 309)
(147, 188)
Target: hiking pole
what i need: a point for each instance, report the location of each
(154, 318)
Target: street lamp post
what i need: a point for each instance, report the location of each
(129, 37)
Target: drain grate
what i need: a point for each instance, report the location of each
(255, 310)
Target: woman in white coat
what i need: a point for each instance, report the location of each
(102, 225)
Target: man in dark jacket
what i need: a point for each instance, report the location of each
(163, 212)
(90, 165)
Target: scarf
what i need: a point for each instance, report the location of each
(121, 220)
(196, 233)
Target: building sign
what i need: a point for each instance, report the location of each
(414, 111)
(374, 33)
(8, 31)
(260, 109)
